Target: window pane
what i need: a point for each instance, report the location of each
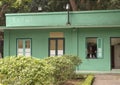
(91, 47)
(20, 43)
(20, 54)
(27, 48)
(99, 47)
(60, 47)
(52, 47)
(27, 44)
(20, 48)
(56, 35)
(28, 54)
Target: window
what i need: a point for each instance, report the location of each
(24, 47)
(94, 47)
(56, 44)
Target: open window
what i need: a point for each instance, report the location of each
(94, 47)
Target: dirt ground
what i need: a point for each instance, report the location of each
(73, 82)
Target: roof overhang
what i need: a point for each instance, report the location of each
(79, 19)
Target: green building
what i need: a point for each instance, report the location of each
(94, 36)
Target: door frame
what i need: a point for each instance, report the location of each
(112, 61)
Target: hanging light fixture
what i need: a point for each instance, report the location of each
(68, 13)
(40, 8)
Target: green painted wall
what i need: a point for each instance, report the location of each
(103, 64)
(39, 41)
(101, 18)
(94, 64)
(75, 40)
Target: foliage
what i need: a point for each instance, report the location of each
(57, 5)
(14, 6)
(78, 76)
(88, 80)
(25, 71)
(75, 59)
(64, 67)
(114, 4)
(48, 5)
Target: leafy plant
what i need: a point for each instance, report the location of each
(74, 59)
(25, 71)
(64, 67)
(78, 76)
(88, 80)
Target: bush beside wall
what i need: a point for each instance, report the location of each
(25, 71)
(31, 71)
(64, 67)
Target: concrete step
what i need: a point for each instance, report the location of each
(107, 79)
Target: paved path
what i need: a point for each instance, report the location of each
(107, 79)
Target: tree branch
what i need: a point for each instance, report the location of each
(73, 5)
(4, 7)
(98, 1)
(82, 1)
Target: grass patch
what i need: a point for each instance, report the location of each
(77, 79)
(88, 80)
(80, 79)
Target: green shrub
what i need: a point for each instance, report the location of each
(74, 59)
(31, 71)
(64, 67)
(78, 76)
(25, 71)
(88, 80)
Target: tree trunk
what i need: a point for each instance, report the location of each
(98, 1)
(82, 5)
(82, 1)
(73, 5)
(4, 7)
(98, 4)
(88, 5)
(2, 16)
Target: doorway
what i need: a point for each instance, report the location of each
(1, 43)
(115, 53)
